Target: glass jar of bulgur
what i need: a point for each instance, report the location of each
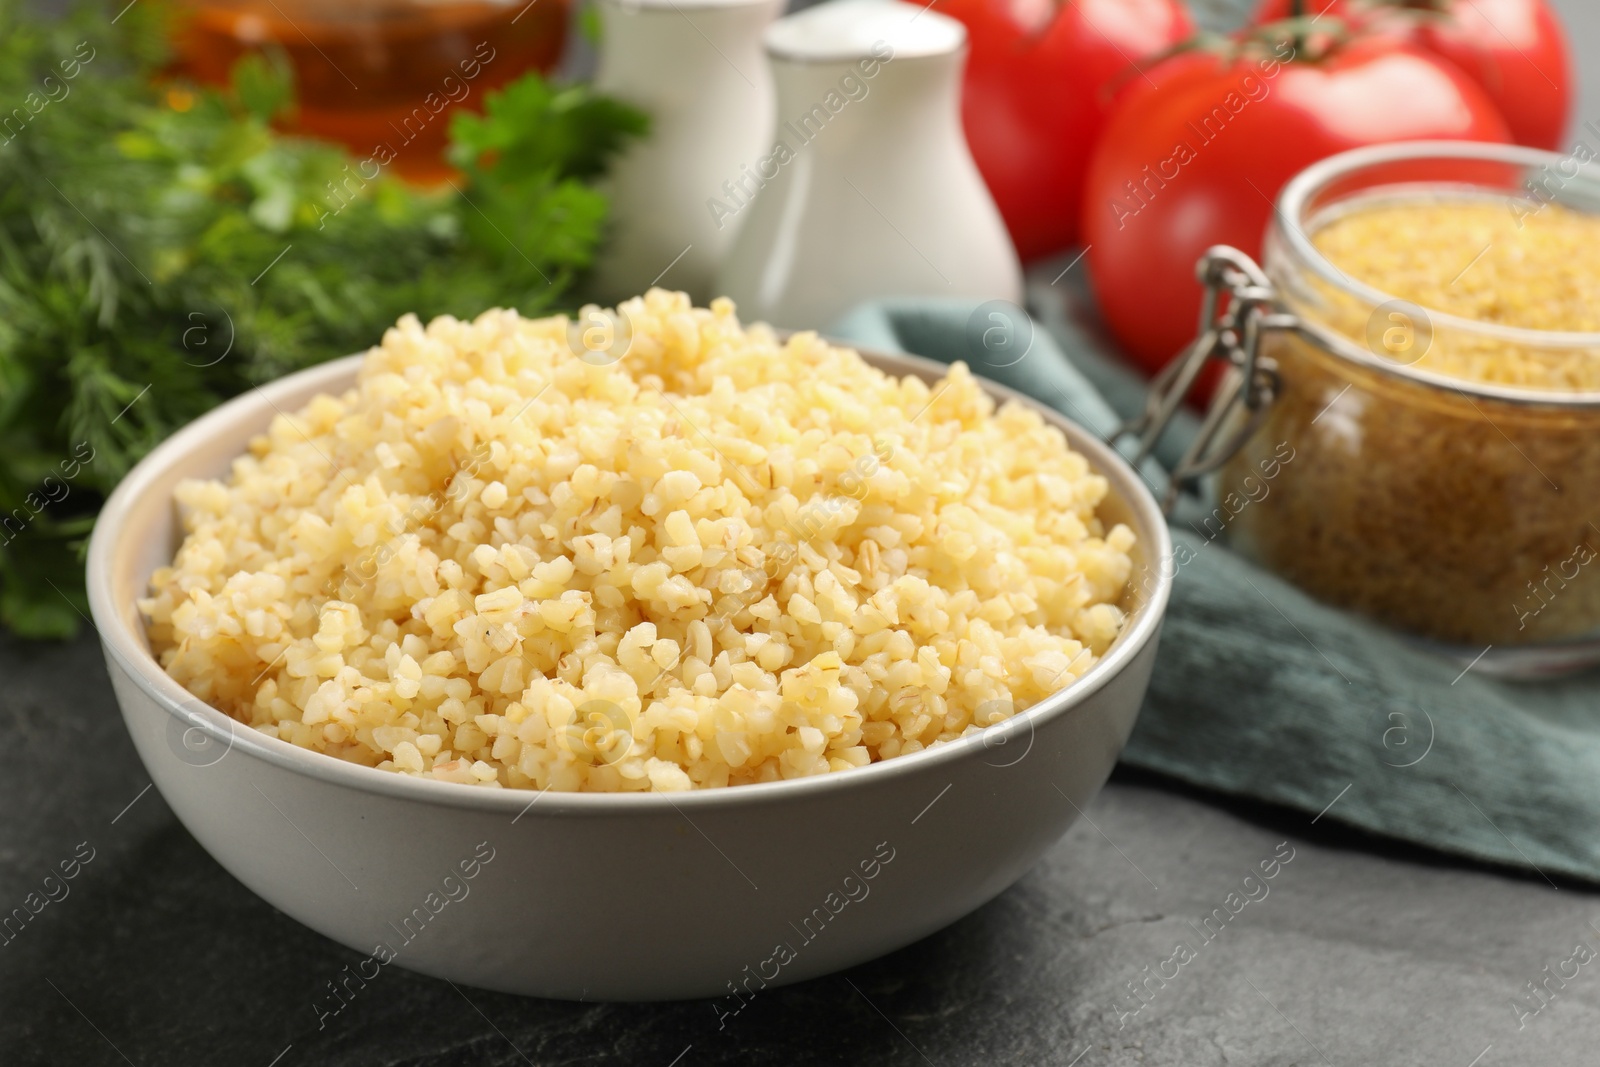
(1420, 367)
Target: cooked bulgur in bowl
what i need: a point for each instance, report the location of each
(721, 873)
(719, 558)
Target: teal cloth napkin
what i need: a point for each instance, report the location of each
(1260, 691)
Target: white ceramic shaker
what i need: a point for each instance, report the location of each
(698, 68)
(868, 188)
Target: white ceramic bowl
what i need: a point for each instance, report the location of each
(610, 897)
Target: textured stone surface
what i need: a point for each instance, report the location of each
(1361, 952)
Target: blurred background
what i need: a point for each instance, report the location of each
(1582, 19)
(210, 194)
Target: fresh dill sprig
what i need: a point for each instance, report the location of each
(163, 247)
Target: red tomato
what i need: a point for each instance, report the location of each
(1040, 78)
(1195, 155)
(1515, 49)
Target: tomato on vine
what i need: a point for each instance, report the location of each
(1040, 78)
(1516, 50)
(1195, 152)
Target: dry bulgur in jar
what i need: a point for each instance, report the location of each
(1441, 401)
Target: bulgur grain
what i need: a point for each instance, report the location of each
(1429, 508)
(720, 560)
(1479, 258)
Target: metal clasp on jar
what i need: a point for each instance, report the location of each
(1231, 331)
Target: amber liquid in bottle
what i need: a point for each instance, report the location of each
(381, 76)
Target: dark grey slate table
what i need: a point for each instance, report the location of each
(1359, 953)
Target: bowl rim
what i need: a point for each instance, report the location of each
(127, 648)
